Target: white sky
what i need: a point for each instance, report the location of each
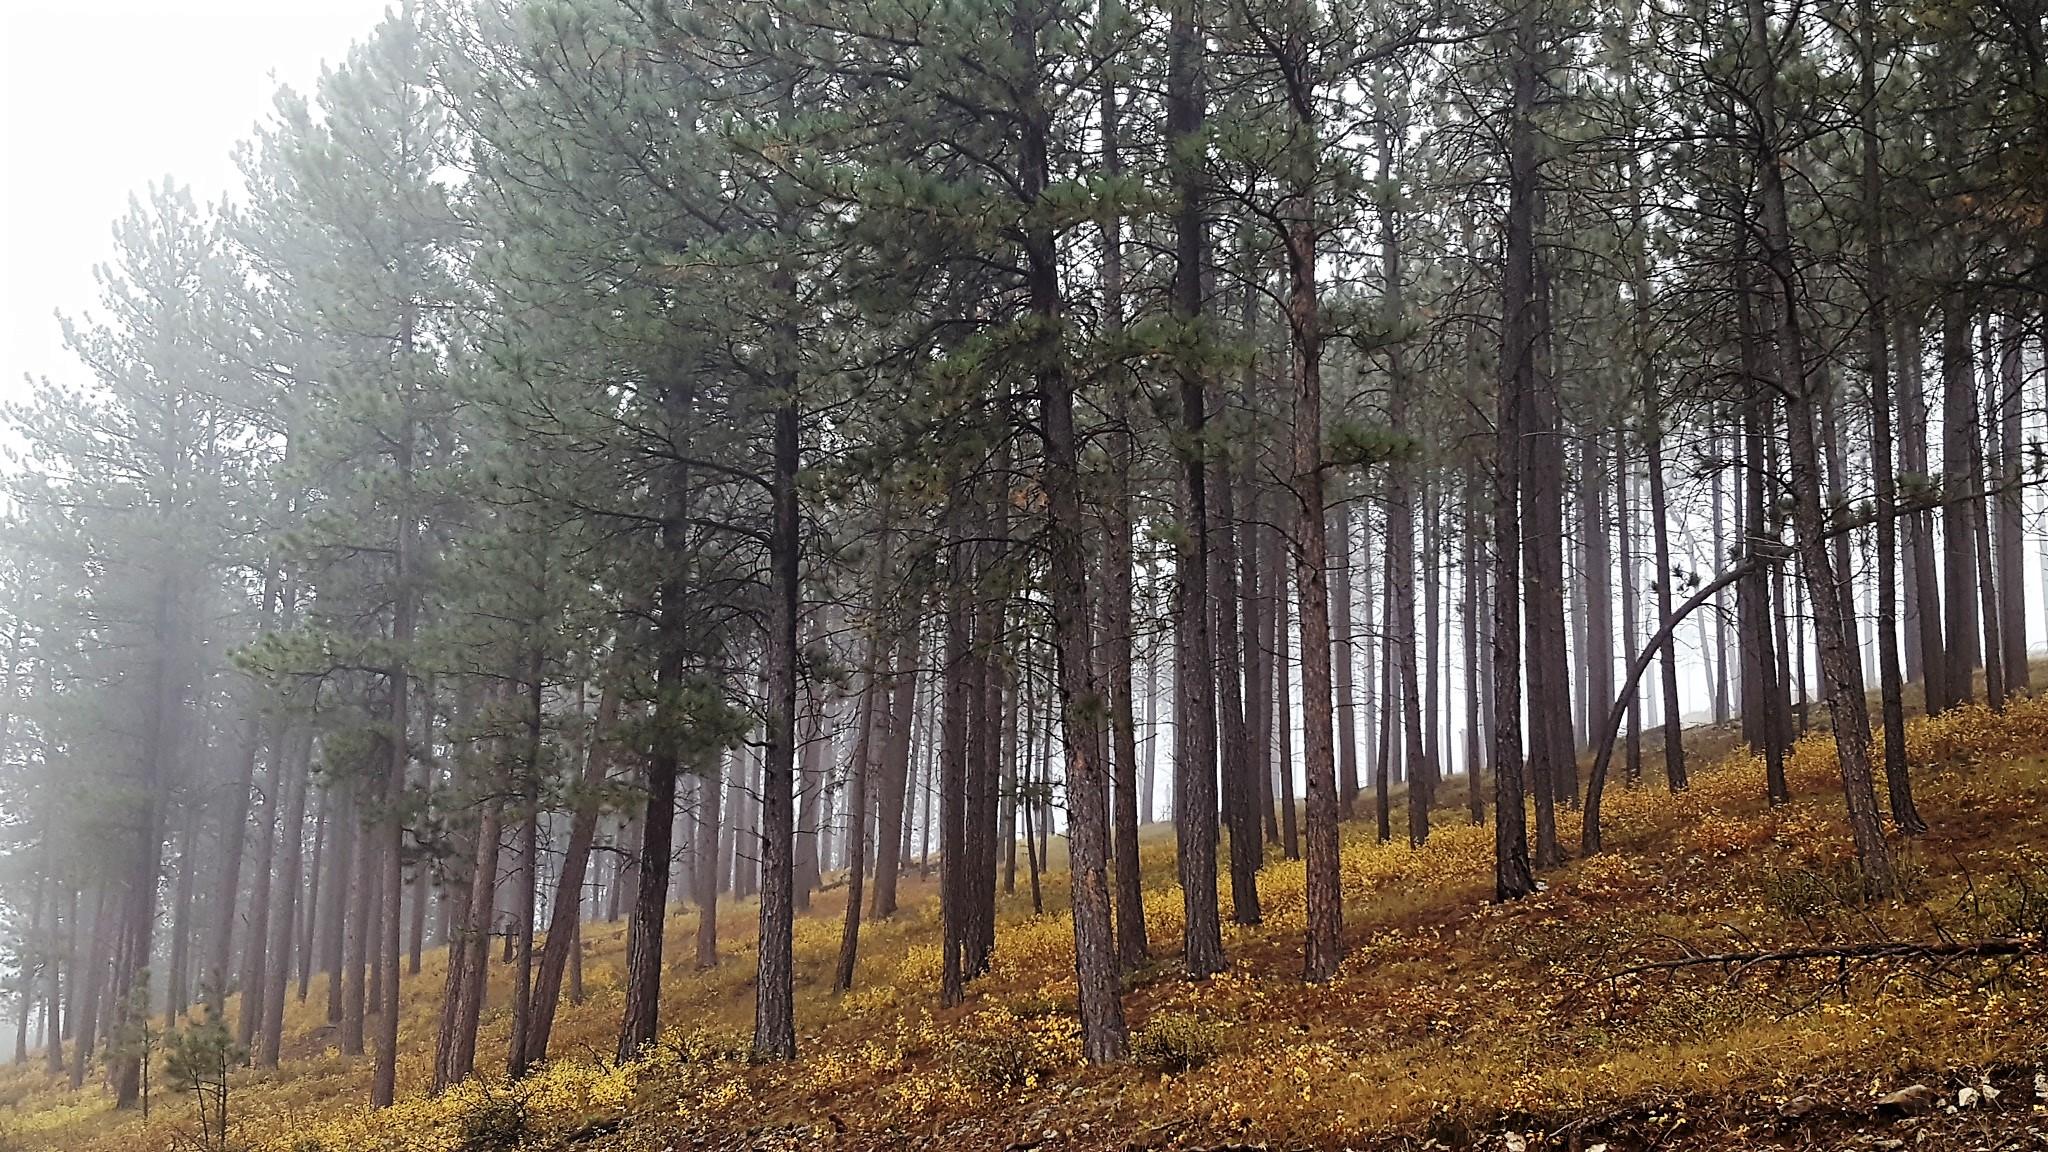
(100, 97)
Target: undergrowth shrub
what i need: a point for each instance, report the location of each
(494, 1120)
(1688, 1012)
(1042, 1005)
(1176, 1042)
(1000, 1049)
(707, 1046)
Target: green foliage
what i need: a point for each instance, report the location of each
(197, 1059)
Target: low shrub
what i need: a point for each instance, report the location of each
(1176, 1042)
(1001, 1049)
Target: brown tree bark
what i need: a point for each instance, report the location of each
(1877, 348)
(1987, 606)
(88, 980)
(1958, 518)
(520, 1048)
(1674, 724)
(1926, 656)
(857, 776)
(1512, 877)
(1290, 833)
(710, 833)
(953, 879)
(567, 911)
(1400, 625)
(1841, 678)
(1345, 657)
(1475, 605)
(1240, 815)
(891, 846)
(1549, 674)
(285, 917)
(1597, 578)
(1103, 1034)
(2012, 533)
(1631, 612)
(1324, 948)
(775, 973)
(1194, 769)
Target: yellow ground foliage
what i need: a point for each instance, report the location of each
(1448, 1011)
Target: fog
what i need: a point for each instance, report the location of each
(98, 100)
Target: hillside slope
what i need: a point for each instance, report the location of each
(1453, 1019)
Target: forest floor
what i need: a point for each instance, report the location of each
(1454, 1022)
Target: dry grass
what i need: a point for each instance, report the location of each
(1451, 1014)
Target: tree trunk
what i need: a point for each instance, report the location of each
(857, 775)
(1324, 949)
(895, 771)
(1987, 607)
(87, 982)
(1194, 769)
(1877, 347)
(1631, 612)
(710, 832)
(1846, 705)
(1346, 662)
(567, 911)
(1674, 725)
(1958, 521)
(177, 995)
(469, 957)
(284, 918)
(1103, 1034)
(1240, 815)
(1475, 606)
(1926, 657)
(1511, 874)
(2012, 529)
(1542, 496)
(775, 978)
(520, 1048)
(1597, 578)
(953, 879)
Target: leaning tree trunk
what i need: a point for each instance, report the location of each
(567, 910)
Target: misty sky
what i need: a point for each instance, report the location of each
(100, 97)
